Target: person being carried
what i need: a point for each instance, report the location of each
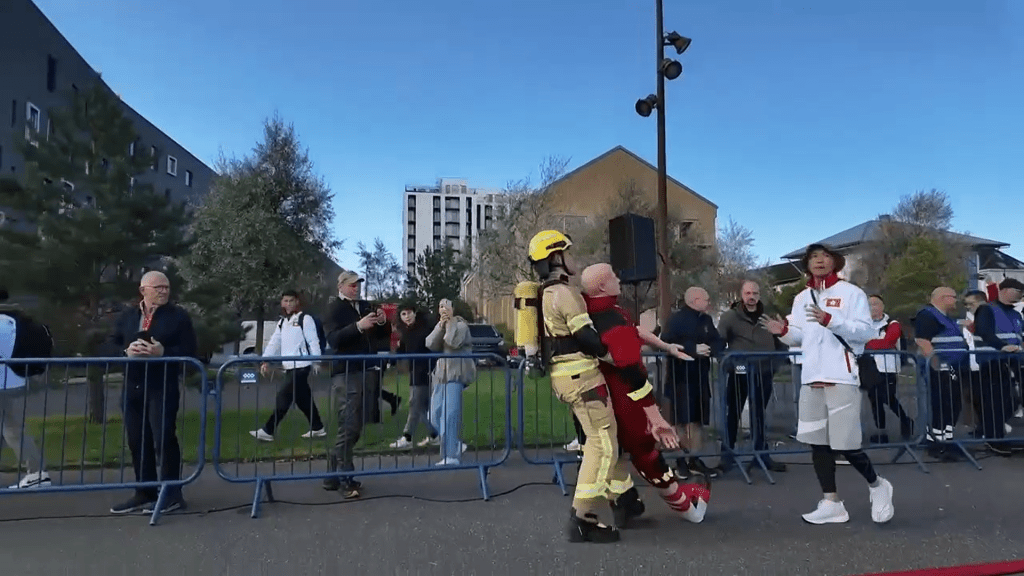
(641, 427)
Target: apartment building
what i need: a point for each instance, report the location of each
(40, 70)
(447, 212)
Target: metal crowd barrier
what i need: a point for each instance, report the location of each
(971, 404)
(894, 414)
(59, 433)
(245, 402)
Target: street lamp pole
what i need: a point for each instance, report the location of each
(664, 278)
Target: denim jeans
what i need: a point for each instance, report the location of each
(446, 417)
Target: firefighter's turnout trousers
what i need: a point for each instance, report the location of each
(587, 394)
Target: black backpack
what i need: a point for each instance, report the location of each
(321, 336)
(32, 340)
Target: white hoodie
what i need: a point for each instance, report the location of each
(8, 331)
(290, 339)
(824, 358)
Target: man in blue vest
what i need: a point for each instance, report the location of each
(941, 341)
(997, 335)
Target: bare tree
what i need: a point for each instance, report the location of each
(523, 210)
(928, 211)
(383, 273)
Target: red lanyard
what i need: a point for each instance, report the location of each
(147, 318)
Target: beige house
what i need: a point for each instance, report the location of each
(580, 201)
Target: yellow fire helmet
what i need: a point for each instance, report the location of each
(544, 243)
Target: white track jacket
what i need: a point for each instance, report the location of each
(290, 339)
(824, 358)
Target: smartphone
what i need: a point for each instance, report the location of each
(144, 335)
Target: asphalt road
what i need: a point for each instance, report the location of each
(954, 515)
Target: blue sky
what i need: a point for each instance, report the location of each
(799, 118)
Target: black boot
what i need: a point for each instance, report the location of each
(626, 507)
(589, 530)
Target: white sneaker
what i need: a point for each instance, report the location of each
(462, 447)
(314, 434)
(882, 509)
(1008, 428)
(828, 512)
(1019, 413)
(401, 444)
(573, 446)
(428, 441)
(32, 480)
(261, 435)
(448, 462)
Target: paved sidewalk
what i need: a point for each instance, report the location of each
(955, 515)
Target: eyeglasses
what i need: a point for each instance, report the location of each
(162, 288)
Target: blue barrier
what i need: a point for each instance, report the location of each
(367, 387)
(75, 394)
(902, 395)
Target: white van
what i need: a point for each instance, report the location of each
(247, 345)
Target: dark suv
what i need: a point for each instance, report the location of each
(486, 339)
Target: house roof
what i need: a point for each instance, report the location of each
(993, 259)
(621, 148)
(872, 230)
(782, 273)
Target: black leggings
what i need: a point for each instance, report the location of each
(824, 458)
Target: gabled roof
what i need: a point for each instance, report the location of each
(872, 230)
(993, 259)
(652, 167)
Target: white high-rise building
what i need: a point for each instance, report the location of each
(449, 211)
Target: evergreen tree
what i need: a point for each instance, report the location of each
(439, 274)
(92, 225)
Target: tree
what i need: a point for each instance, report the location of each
(736, 261)
(207, 302)
(264, 225)
(94, 225)
(439, 274)
(922, 216)
(381, 270)
(910, 279)
(523, 210)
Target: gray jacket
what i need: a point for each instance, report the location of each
(453, 340)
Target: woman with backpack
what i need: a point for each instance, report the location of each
(413, 328)
(295, 335)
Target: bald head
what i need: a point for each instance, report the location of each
(155, 288)
(944, 298)
(697, 298)
(600, 280)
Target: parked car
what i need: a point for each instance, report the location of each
(486, 339)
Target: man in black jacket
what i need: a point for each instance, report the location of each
(689, 381)
(154, 328)
(353, 327)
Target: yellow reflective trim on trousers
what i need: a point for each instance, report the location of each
(638, 394)
(601, 487)
(573, 367)
(577, 322)
(620, 486)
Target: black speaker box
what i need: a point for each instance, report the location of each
(633, 252)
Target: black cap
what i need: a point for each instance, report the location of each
(1011, 283)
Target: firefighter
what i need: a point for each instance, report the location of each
(569, 348)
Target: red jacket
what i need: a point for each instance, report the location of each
(619, 333)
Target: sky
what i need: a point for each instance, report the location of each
(798, 118)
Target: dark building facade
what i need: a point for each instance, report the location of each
(39, 68)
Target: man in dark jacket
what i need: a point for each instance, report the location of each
(154, 328)
(689, 381)
(748, 376)
(353, 327)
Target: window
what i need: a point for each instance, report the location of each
(437, 201)
(51, 73)
(131, 149)
(452, 229)
(153, 155)
(412, 214)
(463, 188)
(188, 178)
(172, 165)
(437, 229)
(167, 194)
(88, 200)
(32, 116)
(437, 215)
(70, 187)
(131, 183)
(412, 201)
(447, 188)
(450, 203)
(14, 112)
(412, 229)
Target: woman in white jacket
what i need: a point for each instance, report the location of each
(831, 322)
(12, 390)
(295, 335)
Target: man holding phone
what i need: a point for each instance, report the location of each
(154, 328)
(353, 327)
